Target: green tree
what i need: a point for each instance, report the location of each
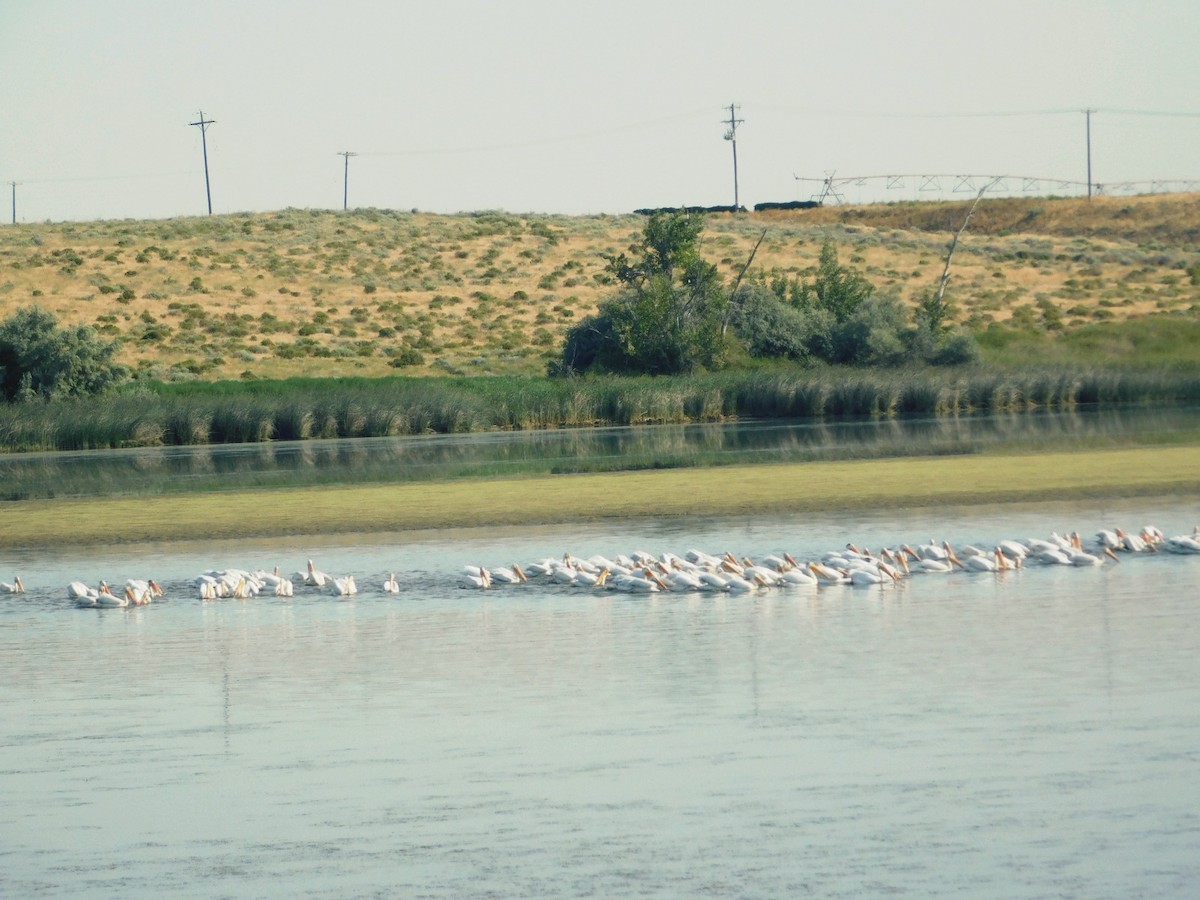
(667, 317)
(835, 288)
(39, 359)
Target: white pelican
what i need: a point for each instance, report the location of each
(313, 576)
(1134, 543)
(827, 574)
(637, 584)
(510, 575)
(141, 587)
(541, 567)
(931, 566)
(587, 579)
(1053, 556)
(17, 586)
(683, 580)
(1014, 549)
(981, 564)
(280, 586)
(342, 587)
(138, 598)
(77, 590)
(106, 598)
(1082, 558)
(391, 585)
(1182, 543)
(713, 580)
(736, 584)
(795, 577)
(474, 577)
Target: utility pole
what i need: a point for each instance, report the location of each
(1088, 113)
(346, 178)
(203, 126)
(731, 136)
(14, 193)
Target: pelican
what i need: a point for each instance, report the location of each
(1182, 543)
(138, 598)
(140, 587)
(739, 585)
(682, 580)
(474, 577)
(314, 577)
(796, 577)
(513, 575)
(828, 575)
(587, 579)
(342, 587)
(637, 584)
(931, 566)
(281, 586)
(981, 564)
(107, 599)
(1134, 543)
(1082, 558)
(712, 580)
(77, 590)
(17, 586)
(391, 585)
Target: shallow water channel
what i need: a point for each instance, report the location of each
(1026, 734)
(152, 470)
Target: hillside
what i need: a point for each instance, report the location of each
(369, 292)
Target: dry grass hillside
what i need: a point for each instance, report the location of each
(368, 292)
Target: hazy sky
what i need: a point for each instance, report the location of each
(562, 106)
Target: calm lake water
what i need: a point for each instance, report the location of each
(1025, 735)
(148, 470)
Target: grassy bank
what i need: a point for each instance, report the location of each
(301, 409)
(566, 499)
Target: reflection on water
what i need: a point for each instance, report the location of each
(1029, 735)
(159, 469)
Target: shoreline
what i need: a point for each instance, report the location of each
(911, 482)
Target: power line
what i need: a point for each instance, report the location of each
(203, 125)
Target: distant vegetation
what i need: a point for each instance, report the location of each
(675, 314)
(296, 324)
(372, 292)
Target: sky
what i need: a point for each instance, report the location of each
(556, 106)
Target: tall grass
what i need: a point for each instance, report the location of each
(303, 409)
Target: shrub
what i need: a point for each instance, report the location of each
(39, 359)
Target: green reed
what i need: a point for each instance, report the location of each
(304, 409)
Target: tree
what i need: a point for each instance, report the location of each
(838, 289)
(39, 359)
(667, 317)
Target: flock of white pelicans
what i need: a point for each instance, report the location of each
(222, 584)
(642, 572)
(696, 570)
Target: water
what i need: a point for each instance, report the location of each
(1033, 734)
(147, 470)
